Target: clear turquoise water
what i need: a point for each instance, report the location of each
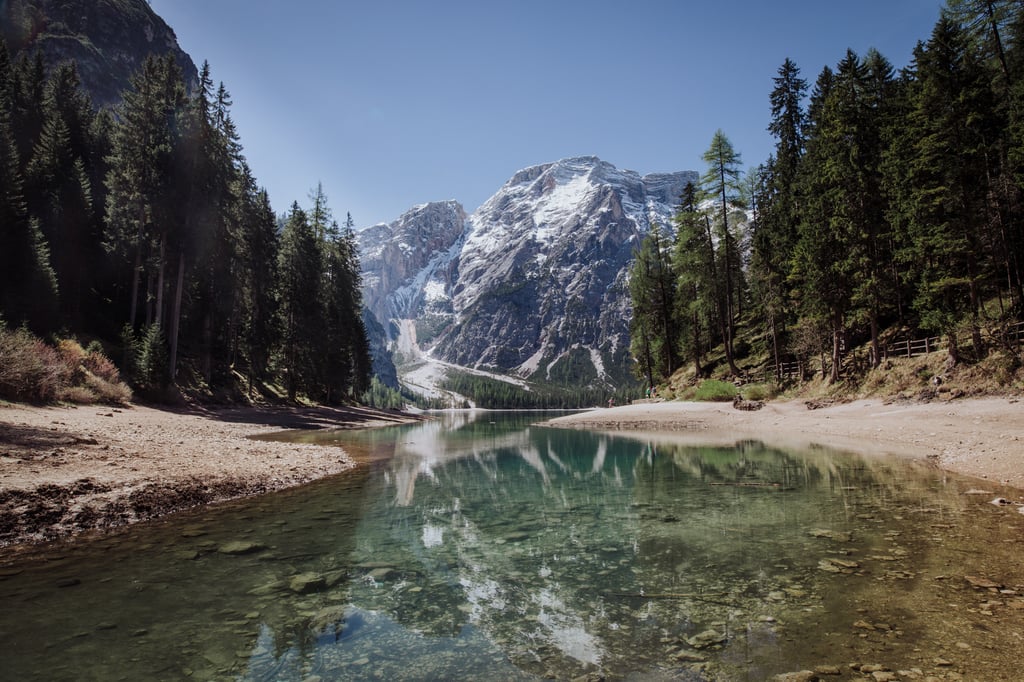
(479, 547)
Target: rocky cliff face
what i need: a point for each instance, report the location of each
(405, 264)
(532, 284)
(108, 39)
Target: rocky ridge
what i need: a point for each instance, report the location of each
(108, 40)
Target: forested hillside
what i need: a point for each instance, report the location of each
(890, 210)
(143, 227)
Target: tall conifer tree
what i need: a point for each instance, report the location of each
(948, 183)
(722, 184)
(300, 271)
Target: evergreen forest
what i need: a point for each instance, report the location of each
(891, 210)
(142, 229)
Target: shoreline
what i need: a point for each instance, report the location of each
(978, 437)
(68, 470)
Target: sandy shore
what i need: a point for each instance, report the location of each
(64, 470)
(977, 437)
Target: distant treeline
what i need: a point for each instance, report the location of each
(144, 227)
(892, 205)
(490, 393)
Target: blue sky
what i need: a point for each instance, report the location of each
(394, 103)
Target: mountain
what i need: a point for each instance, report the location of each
(108, 39)
(532, 285)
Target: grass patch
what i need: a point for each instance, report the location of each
(759, 392)
(713, 390)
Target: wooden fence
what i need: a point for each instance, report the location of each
(912, 347)
(786, 370)
(1010, 336)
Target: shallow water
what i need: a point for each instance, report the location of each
(478, 547)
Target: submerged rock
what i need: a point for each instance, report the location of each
(690, 657)
(380, 573)
(237, 547)
(327, 618)
(837, 535)
(982, 583)
(798, 676)
(305, 583)
(705, 639)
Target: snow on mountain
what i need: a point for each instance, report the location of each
(533, 283)
(412, 255)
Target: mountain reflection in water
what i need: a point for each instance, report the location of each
(476, 546)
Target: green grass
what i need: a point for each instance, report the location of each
(713, 390)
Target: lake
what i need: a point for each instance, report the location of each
(477, 546)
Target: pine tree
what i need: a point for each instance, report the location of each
(948, 183)
(817, 291)
(693, 264)
(986, 24)
(210, 170)
(59, 190)
(842, 257)
(300, 272)
(874, 288)
(28, 285)
(141, 199)
(722, 183)
(28, 85)
(775, 231)
(654, 334)
(259, 253)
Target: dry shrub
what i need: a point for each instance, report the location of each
(29, 369)
(100, 366)
(108, 392)
(71, 352)
(32, 371)
(78, 394)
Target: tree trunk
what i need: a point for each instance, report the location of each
(837, 346)
(176, 317)
(149, 299)
(999, 43)
(775, 346)
(727, 245)
(953, 351)
(160, 282)
(727, 340)
(697, 369)
(137, 271)
(876, 351)
(976, 340)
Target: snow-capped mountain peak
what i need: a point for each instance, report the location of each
(533, 282)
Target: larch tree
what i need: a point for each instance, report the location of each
(722, 184)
